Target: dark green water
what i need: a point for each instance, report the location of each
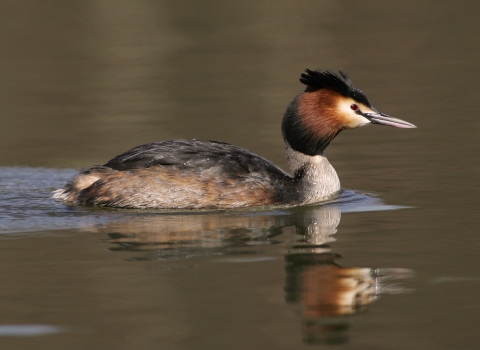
(397, 269)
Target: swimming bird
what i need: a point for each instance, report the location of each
(193, 174)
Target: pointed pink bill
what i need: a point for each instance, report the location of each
(384, 119)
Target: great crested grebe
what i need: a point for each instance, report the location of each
(192, 174)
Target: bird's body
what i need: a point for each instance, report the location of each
(192, 174)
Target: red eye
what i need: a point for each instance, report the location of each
(354, 107)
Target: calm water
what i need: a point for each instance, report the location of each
(393, 263)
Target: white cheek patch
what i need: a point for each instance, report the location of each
(352, 119)
(358, 121)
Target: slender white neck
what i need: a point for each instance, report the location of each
(317, 180)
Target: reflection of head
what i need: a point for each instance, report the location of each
(325, 291)
(323, 288)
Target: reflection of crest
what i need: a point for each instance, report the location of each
(325, 291)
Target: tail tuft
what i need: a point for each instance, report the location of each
(60, 194)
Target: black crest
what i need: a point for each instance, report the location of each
(325, 79)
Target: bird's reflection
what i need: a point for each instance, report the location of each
(180, 236)
(325, 291)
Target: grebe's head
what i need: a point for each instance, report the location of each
(329, 104)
